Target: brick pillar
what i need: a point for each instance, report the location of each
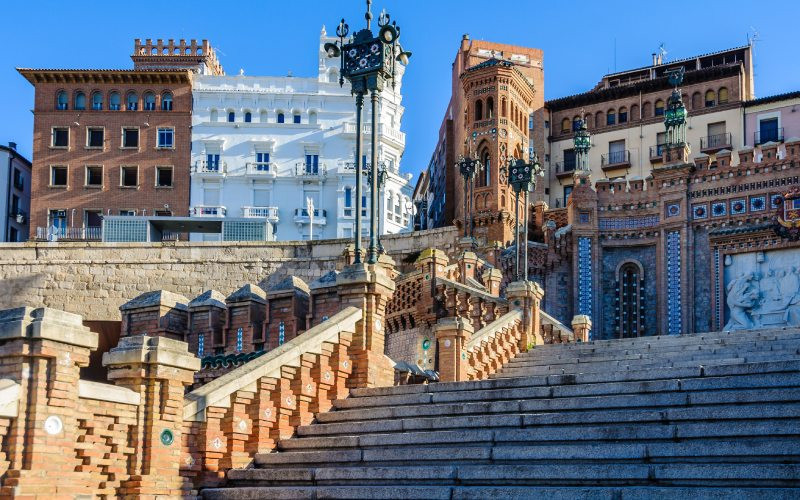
(581, 327)
(527, 295)
(467, 264)
(208, 314)
(43, 350)
(158, 369)
(369, 288)
(287, 303)
(491, 280)
(247, 308)
(430, 263)
(452, 334)
(158, 314)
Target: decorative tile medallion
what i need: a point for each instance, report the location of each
(700, 211)
(775, 200)
(738, 206)
(719, 209)
(674, 282)
(239, 339)
(758, 203)
(673, 209)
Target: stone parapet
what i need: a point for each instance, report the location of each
(156, 313)
(582, 327)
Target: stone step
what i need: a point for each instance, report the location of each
(433, 492)
(569, 433)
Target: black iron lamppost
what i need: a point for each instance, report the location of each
(522, 177)
(468, 168)
(368, 62)
(382, 173)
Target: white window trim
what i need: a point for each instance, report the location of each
(94, 127)
(86, 177)
(155, 179)
(158, 132)
(53, 137)
(121, 177)
(50, 179)
(122, 138)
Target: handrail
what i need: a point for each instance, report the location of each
(475, 291)
(547, 319)
(269, 365)
(492, 328)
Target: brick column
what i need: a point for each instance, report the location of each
(158, 369)
(247, 308)
(208, 314)
(158, 313)
(368, 287)
(527, 295)
(43, 350)
(492, 279)
(452, 334)
(581, 326)
(467, 264)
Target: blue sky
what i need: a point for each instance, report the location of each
(271, 38)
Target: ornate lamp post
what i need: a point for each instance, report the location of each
(582, 143)
(468, 168)
(382, 173)
(522, 177)
(675, 114)
(368, 62)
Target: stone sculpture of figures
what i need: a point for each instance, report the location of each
(789, 284)
(741, 298)
(761, 301)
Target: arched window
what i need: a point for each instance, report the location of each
(296, 117)
(611, 117)
(565, 125)
(622, 116)
(599, 119)
(711, 99)
(659, 108)
(132, 101)
(589, 119)
(213, 116)
(697, 100)
(634, 113)
(62, 102)
(263, 118)
(114, 101)
(149, 101)
(248, 117)
(485, 176)
(231, 116)
(281, 119)
(646, 110)
(312, 117)
(576, 123)
(489, 108)
(166, 101)
(478, 110)
(503, 107)
(630, 298)
(722, 96)
(97, 101)
(80, 101)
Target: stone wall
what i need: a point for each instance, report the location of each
(94, 279)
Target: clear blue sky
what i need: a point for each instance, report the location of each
(273, 37)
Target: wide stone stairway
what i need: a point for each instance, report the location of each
(706, 416)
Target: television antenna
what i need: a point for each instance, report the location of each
(662, 53)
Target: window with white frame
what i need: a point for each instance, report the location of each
(166, 137)
(348, 202)
(129, 176)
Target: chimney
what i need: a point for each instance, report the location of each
(12, 145)
(655, 59)
(465, 41)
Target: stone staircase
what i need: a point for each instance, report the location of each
(712, 416)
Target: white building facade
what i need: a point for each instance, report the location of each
(264, 146)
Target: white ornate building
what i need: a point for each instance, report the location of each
(261, 146)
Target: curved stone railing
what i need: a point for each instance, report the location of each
(554, 331)
(494, 345)
(244, 412)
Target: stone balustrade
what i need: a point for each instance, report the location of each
(479, 306)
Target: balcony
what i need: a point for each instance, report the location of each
(301, 216)
(656, 153)
(565, 169)
(269, 213)
(714, 143)
(260, 169)
(766, 135)
(207, 211)
(396, 136)
(209, 169)
(615, 159)
(69, 233)
(310, 171)
(18, 215)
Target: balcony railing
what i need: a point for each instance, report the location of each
(565, 168)
(207, 211)
(270, 213)
(206, 167)
(19, 215)
(69, 233)
(261, 169)
(320, 216)
(615, 159)
(765, 136)
(715, 142)
(366, 129)
(310, 170)
(656, 152)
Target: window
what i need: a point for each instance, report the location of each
(80, 101)
(768, 131)
(94, 176)
(60, 137)
(530, 122)
(97, 101)
(212, 161)
(629, 310)
(113, 101)
(485, 176)
(576, 123)
(599, 119)
(132, 101)
(348, 202)
(716, 135)
(61, 100)
(149, 101)
(312, 118)
(127, 213)
(659, 108)
(296, 118)
(565, 125)
(478, 110)
(166, 137)
(130, 138)
(262, 162)
(248, 117)
(13, 234)
(611, 117)
(163, 176)
(722, 97)
(58, 220)
(94, 137)
(263, 117)
(213, 116)
(711, 99)
(19, 183)
(280, 118)
(166, 101)
(616, 152)
(634, 112)
(569, 160)
(363, 207)
(58, 176)
(489, 108)
(231, 116)
(623, 115)
(129, 176)
(92, 218)
(646, 110)
(312, 164)
(567, 192)
(697, 100)
(261, 197)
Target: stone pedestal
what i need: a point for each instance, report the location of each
(158, 369)
(369, 288)
(491, 279)
(42, 350)
(467, 264)
(581, 327)
(527, 295)
(452, 334)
